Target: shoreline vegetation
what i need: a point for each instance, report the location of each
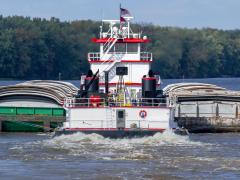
(35, 48)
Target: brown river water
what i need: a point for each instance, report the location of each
(79, 156)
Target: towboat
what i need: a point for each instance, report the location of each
(120, 96)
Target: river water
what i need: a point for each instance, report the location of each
(79, 156)
(162, 156)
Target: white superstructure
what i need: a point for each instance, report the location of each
(120, 46)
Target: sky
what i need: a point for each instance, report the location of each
(221, 14)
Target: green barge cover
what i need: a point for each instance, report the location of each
(32, 111)
(19, 125)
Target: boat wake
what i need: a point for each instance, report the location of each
(166, 138)
(94, 145)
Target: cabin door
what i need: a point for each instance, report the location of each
(120, 118)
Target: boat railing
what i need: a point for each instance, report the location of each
(144, 56)
(102, 102)
(120, 34)
(83, 102)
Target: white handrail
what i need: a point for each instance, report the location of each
(93, 56)
(87, 102)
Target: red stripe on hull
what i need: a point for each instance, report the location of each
(112, 129)
(142, 107)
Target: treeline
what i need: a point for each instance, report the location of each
(41, 49)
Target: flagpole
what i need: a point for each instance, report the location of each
(120, 16)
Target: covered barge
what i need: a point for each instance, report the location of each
(204, 107)
(33, 106)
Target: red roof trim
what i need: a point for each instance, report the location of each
(127, 84)
(111, 129)
(149, 78)
(125, 40)
(132, 61)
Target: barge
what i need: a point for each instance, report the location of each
(34, 106)
(204, 108)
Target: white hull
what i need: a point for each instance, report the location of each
(156, 118)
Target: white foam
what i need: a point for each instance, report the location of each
(166, 138)
(105, 148)
(16, 148)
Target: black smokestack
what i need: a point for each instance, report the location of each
(106, 82)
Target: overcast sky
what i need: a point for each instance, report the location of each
(223, 14)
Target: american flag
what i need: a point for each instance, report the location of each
(122, 19)
(124, 12)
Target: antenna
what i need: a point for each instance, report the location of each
(102, 16)
(101, 27)
(120, 6)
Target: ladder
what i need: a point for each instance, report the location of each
(112, 71)
(108, 46)
(109, 118)
(116, 59)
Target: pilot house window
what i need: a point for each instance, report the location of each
(123, 47)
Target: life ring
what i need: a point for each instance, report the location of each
(143, 114)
